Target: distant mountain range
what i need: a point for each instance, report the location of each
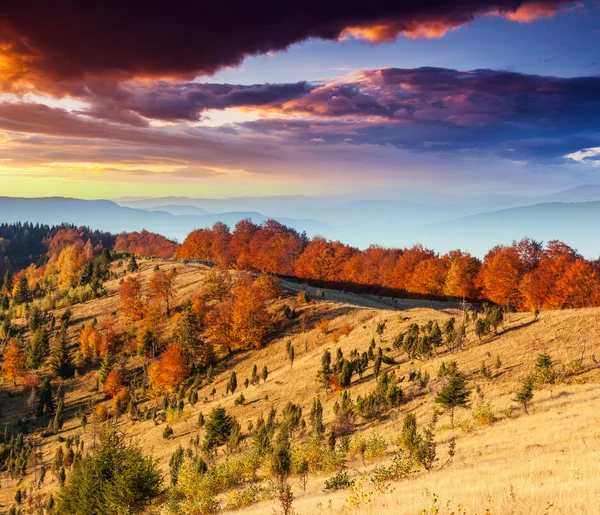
(399, 218)
(108, 216)
(576, 224)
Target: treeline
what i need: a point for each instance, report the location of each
(146, 243)
(24, 244)
(525, 275)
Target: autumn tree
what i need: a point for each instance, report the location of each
(578, 287)
(132, 301)
(70, 263)
(239, 245)
(89, 342)
(13, 366)
(500, 276)
(240, 322)
(114, 382)
(428, 277)
(461, 276)
(168, 371)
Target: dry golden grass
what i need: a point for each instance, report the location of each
(516, 465)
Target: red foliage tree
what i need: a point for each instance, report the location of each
(146, 243)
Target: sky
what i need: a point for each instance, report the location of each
(318, 98)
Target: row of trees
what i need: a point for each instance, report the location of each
(145, 243)
(525, 275)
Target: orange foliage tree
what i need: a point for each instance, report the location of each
(114, 382)
(167, 372)
(462, 274)
(578, 287)
(89, 342)
(429, 276)
(131, 296)
(13, 366)
(242, 320)
(500, 276)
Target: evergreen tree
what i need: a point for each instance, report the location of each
(255, 378)
(524, 395)
(265, 373)
(36, 319)
(37, 350)
(188, 332)
(316, 418)
(291, 355)
(59, 416)
(132, 266)
(61, 363)
(105, 367)
(7, 283)
(65, 319)
(232, 383)
(454, 393)
(281, 464)
(218, 427)
(377, 365)
(22, 294)
(115, 478)
(45, 402)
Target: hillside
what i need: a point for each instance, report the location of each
(544, 462)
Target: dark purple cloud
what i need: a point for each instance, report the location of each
(59, 45)
(185, 101)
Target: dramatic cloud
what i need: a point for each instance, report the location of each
(185, 101)
(59, 47)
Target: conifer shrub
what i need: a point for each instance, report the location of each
(386, 395)
(115, 478)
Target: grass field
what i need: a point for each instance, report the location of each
(545, 462)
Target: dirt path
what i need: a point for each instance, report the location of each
(364, 300)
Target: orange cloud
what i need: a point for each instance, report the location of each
(388, 31)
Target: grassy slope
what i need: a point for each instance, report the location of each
(517, 465)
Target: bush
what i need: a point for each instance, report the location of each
(167, 432)
(484, 415)
(340, 481)
(323, 326)
(387, 394)
(115, 478)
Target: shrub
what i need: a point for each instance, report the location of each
(176, 415)
(302, 298)
(340, 481)
(167, 432)
(240, 400)
(346, 329)
(323, 326)
(387, 394)
(101, 412)
(484, 415)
